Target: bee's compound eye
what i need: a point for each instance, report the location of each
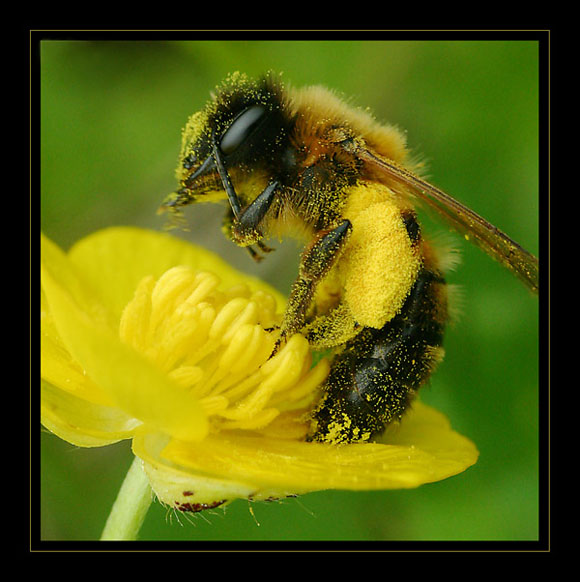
(241, 128)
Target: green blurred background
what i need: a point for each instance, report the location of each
(111, 118)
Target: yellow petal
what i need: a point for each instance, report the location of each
(277, 467)
(178, 488)
(55, 262)
(113, 261)
(81, 422)
(58, 368)
(134, 384)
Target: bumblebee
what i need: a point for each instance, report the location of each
(370, 287)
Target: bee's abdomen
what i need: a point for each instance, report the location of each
(374, 378)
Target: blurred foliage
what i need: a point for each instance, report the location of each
(111, 118)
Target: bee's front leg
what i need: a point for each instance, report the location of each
(315, 263)
(245, 229)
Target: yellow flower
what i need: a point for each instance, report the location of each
(149, 338)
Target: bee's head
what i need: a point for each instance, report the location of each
(242, 130)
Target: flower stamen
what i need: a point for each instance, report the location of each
(217, 345)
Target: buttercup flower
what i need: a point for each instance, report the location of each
(149, 338)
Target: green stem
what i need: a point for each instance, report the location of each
(130, 507)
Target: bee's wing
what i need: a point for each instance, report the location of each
(492, 240)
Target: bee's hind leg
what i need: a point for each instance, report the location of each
(316, 261)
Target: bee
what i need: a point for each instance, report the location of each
(370, 286)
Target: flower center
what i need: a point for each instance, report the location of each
(217, 345)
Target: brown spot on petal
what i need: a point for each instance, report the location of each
(196, 507)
